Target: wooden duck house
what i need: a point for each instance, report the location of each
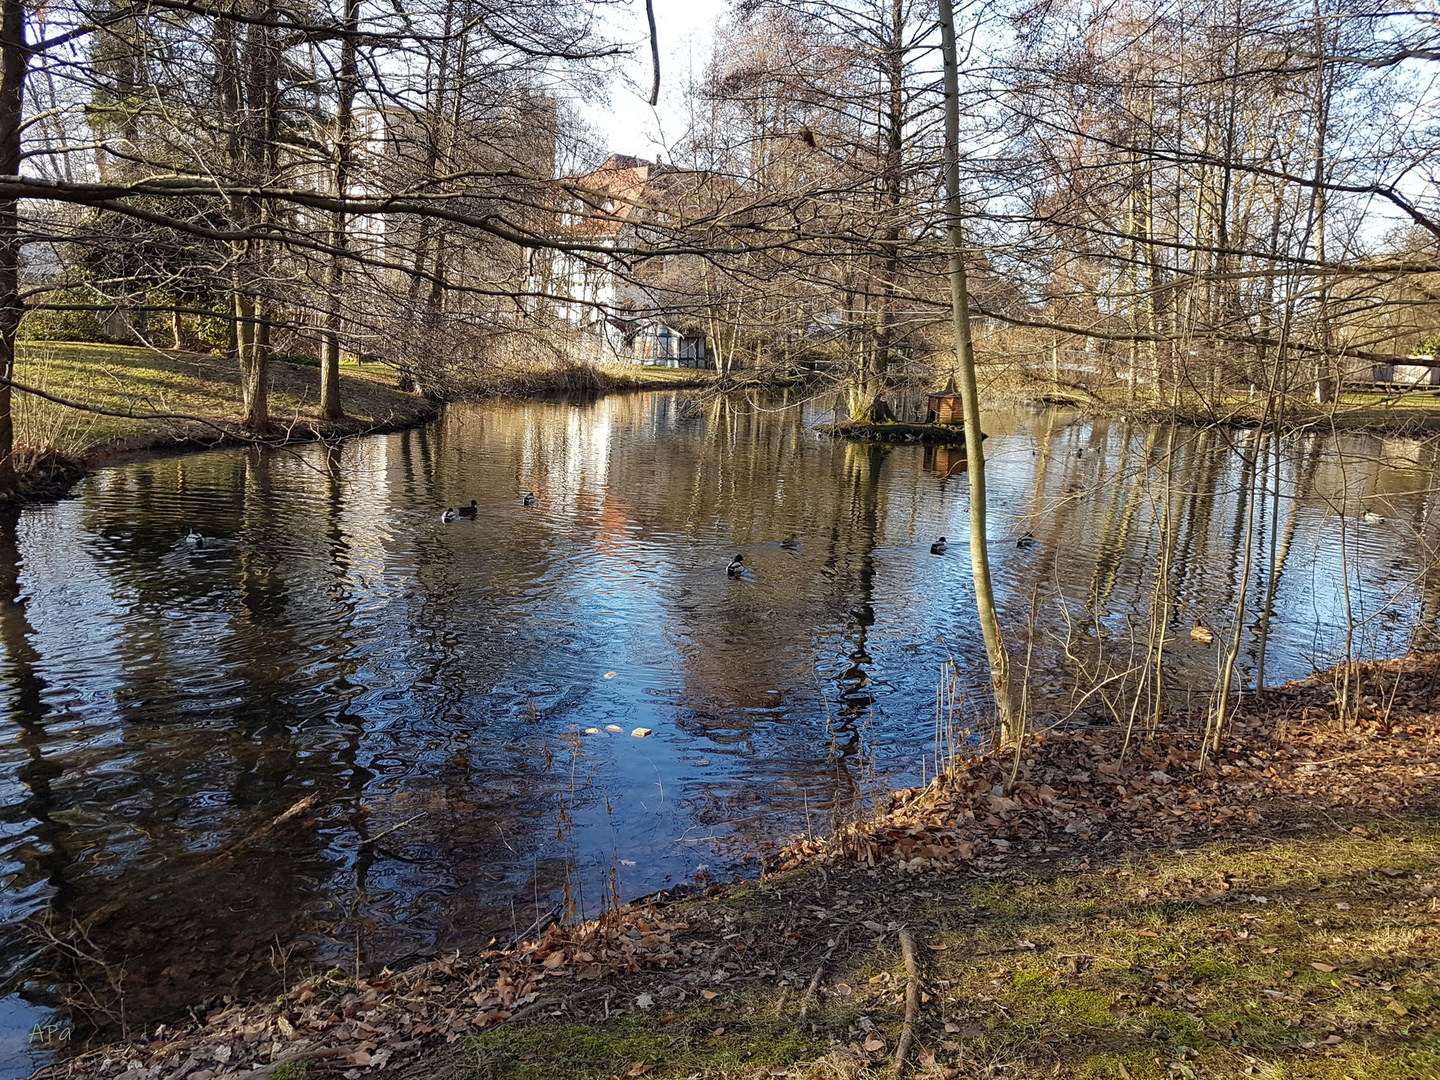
(945, 407)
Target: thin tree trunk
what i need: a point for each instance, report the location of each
(330, 405)
(13, 60)
(1005, 698)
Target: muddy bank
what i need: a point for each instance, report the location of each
(1090, 901)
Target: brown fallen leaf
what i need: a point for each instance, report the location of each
(938, 948)
(669, 1019)
(555, 959)
(709, 995)
(1395, 1007)
(638, 1069)
(1269, 950)
(873, 1044)
(1318, 966)
(718, 1032)
(1146, 933)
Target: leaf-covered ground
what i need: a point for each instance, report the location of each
(1273, 913)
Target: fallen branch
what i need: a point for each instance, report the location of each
(809, 998)
(912, 1000)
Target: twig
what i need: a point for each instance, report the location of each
(809, 998)
(912, 1000)
(386, 832)
(780, 1005)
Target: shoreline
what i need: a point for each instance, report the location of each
(374, 405)
(1100, 846)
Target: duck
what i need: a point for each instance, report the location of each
(938, 547)
(791, 542)
(529, 499)
(736, 567)
(1202, 633)
(195, 539)
(471, 511)
(1026, 541)
(1372, 518)
(450, 514)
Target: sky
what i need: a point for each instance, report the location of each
(626, 123)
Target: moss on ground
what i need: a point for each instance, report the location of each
(656, 1043)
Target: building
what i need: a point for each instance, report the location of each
(651, 310)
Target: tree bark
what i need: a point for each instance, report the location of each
(1006, 705)
(13, 61)
(330, 405)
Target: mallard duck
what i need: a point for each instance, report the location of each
(736, 567)
(450, 514)
(1202, 633)
(471, 511)
(938, 547)
(790, 542)
(1372, 518)
(195, 539)
(1026, 541)
(529, 499)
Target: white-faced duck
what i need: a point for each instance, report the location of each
(529, 499)
(450, 514)
(1026, 541)
(938, 547)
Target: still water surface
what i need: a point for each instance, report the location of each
(429, 684)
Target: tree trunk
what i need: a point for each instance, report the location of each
(330, 406)
(13, 60)
(1007, 707)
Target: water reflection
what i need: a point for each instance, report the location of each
(342, 729)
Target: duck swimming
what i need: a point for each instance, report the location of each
(1202, 633)
(195, 539)
(1026, 541)
(471, 511)
(529, 499)
(1372, 518)
(736, 567)
(450, 514)
(791, 542)
(938, 547)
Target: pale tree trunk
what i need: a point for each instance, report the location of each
(13, 60)
(1007, 704)
(1325, 389)
(330, 405)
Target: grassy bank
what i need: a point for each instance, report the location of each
(150, 400)
(156, 400)
(1408, 413)
(526, 380)
(1134, 912)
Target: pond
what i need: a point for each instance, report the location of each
(416, 694)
